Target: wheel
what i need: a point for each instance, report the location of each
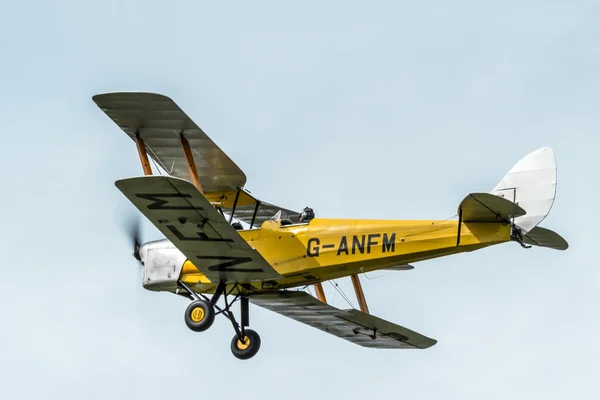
(199, 316)
(249, 348)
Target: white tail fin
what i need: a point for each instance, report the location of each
(531, 184)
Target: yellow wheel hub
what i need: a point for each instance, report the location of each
(197, 314)
(245, 345)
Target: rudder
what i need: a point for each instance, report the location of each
(530, 183)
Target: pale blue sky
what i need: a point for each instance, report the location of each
(359, 109)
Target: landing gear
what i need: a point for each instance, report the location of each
(248, 347)
(200, 315)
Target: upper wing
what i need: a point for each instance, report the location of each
(197, 229)
(160, 123)
(264, 212)
(352, 325)
(248, 208)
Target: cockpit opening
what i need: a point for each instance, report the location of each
(306, 215)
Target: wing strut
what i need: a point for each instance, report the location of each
(254, 215)
(189, 158)
(141, 146)
(360, 295)
(320, 292)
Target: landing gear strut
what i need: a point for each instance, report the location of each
(200, 315)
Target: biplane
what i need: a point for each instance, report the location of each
(224, 242)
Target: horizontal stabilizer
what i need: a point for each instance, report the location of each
(543, 237)
(485, 207)
(355, 326)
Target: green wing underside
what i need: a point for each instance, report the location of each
(352, 325)
(160, 123)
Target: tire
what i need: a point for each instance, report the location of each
(199, 316)
(244, 351)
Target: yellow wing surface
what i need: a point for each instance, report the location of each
(197, 229)
(352, 325)
(161, 124)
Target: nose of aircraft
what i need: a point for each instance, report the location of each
(132, 229)
(141, 252)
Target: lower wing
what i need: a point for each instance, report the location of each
(352, 325)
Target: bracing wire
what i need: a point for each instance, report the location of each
(373, 278)
(156, 166)
(309, 291)
(341, 292)
(333, 300)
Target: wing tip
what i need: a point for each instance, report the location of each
(126, 94)
(427, 343)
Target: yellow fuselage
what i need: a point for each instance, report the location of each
(333, 248)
